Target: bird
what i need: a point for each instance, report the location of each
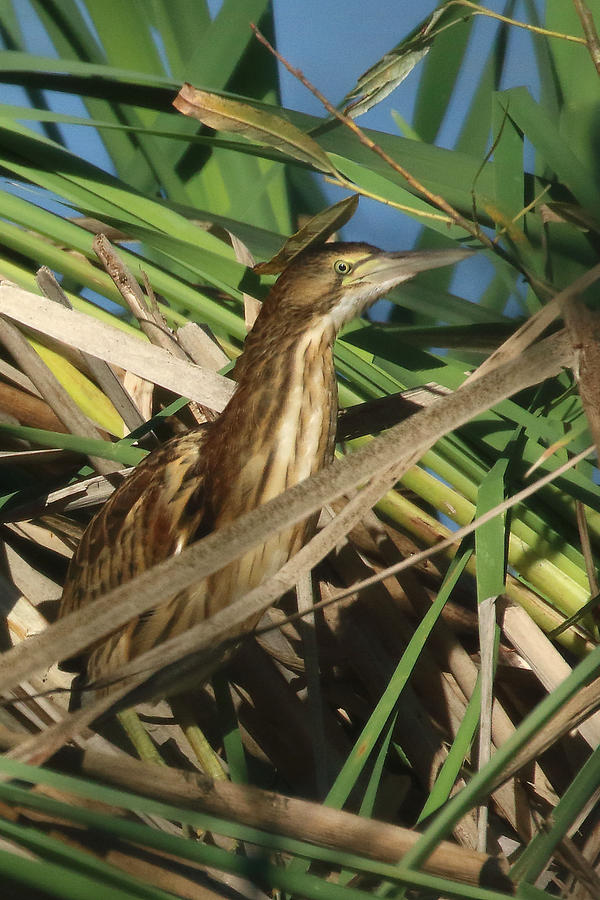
(277, 429)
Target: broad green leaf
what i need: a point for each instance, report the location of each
(572, 67)
(14, 61)
(558, 154)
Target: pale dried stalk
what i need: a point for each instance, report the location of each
(147, 313)
(202, 349)
(27, 578)
(115, 346)
(300, 819)
(45, 536)
(38, 749)
(251, 304)
(18, 378)
(80, 495)
(545, 660)
(10, 457)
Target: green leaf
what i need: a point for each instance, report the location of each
(435, 91)
(541, 130)
(490, 538)
(120, 452)
(354, 764)
(384, 77)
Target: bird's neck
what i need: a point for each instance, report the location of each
(279, 426)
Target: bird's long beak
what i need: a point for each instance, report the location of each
(382, 268)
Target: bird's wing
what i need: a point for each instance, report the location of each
(157, 510)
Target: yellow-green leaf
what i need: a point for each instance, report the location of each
(88, 397)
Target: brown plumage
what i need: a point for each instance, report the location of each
(277, 429)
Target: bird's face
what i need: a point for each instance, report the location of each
(338, 281)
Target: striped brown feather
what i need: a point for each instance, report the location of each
(157, 511)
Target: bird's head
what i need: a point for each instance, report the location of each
(338, 281)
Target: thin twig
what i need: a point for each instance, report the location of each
(589, 29)
(366, 141)
(536, 29)
(342, 182)
(521, 214)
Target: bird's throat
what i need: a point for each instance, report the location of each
(279, 427)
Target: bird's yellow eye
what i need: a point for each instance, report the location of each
(342, 267)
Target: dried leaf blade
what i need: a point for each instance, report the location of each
(223, 114)
(315, 231)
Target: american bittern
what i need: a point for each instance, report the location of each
(277, 429)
